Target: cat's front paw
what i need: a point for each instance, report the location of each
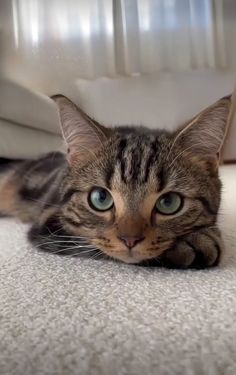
(199, 249)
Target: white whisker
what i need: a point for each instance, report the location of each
(57, 243)
(75, 247)
(53, 233)
(96, 255)
(78, 237)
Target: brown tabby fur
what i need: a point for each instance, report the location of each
(136, 165)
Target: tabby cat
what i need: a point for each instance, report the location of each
(137, 195)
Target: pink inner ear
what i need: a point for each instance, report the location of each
(81, 150)
(205, 133)
(73, 158)
(82, 135)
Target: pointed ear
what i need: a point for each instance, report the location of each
(83, 135)
(205, 134)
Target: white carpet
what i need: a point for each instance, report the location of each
(64, 316)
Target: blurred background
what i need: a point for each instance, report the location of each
(150, 62)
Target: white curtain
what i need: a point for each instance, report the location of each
(91, 38)
(169, 35)
(174, 49)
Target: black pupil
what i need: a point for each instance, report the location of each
(102, 196)
(167, 200)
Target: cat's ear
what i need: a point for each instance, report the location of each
(83, 135)
(205, 134)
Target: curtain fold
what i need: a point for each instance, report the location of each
(92, 38)
(47, 45)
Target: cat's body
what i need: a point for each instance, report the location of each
(108, 199)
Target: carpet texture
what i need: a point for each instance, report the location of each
(71, 316)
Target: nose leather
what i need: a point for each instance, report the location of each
(130, 242)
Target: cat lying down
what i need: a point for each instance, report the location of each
(137, 195)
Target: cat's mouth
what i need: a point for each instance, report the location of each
(146, 253)
(138, 256)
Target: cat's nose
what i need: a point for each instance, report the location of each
(130, 242)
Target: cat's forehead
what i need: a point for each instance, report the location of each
(137, 160)
(134, 164)
(137, 167)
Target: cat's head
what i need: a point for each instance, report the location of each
(133, 191)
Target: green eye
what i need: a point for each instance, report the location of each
(100, 199)
(169, 204)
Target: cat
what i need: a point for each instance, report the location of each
(141, 196)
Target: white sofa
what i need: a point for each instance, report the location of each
(29, 123)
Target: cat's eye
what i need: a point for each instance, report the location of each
(169, 204)
(100, 199)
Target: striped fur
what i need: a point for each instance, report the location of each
(136, 165)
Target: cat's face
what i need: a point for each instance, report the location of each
(132, 193)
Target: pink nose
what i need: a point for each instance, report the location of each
(131, 241)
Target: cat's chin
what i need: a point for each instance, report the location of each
(124, 259)
(131, 261)
(152, 262)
